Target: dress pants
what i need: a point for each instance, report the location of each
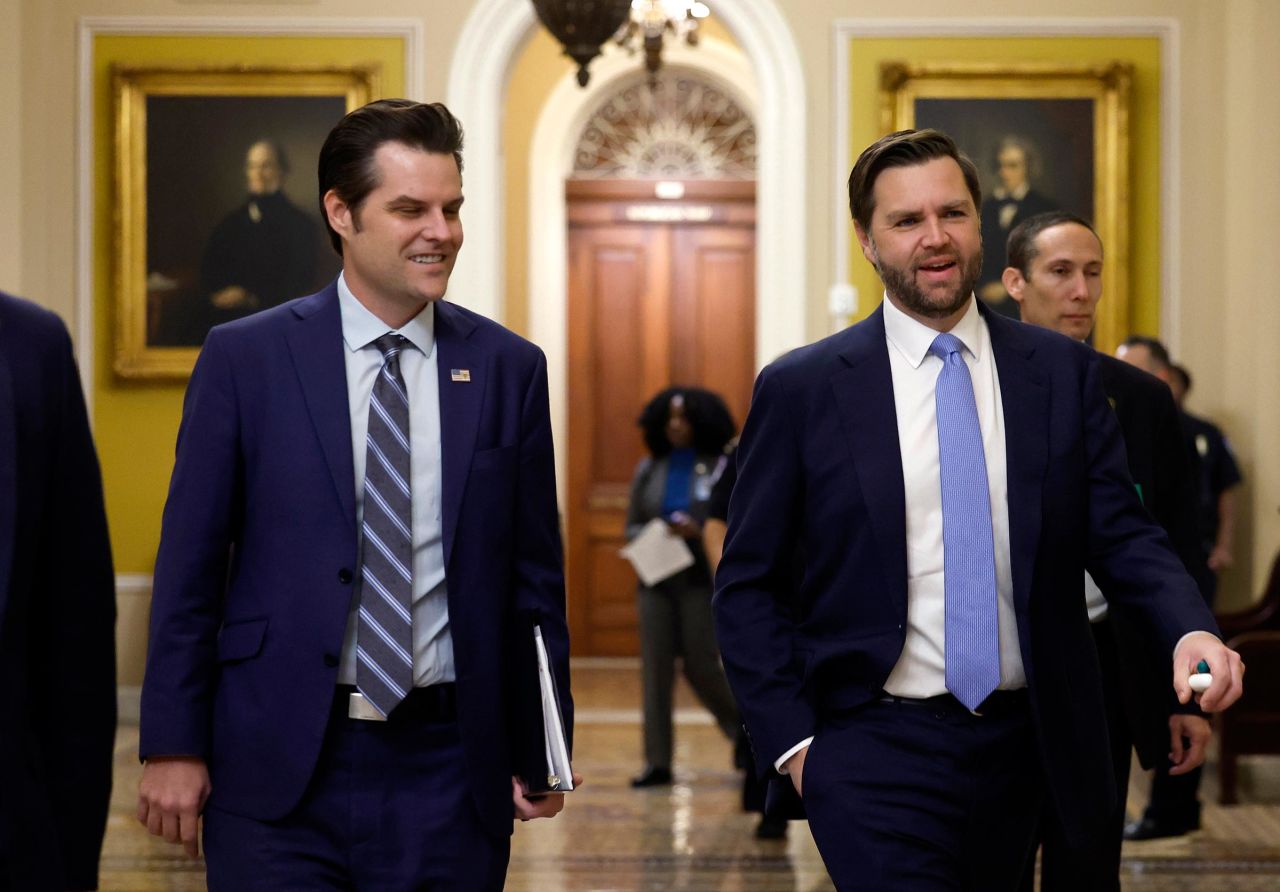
(675, 620)
(388, 809)
(925, 796)
(1094, 865)
(1175, 798)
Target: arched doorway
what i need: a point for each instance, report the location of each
(661, 291)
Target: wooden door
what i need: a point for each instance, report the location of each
(661, 292)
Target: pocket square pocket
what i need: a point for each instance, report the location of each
(242, 640)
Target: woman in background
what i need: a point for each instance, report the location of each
(685, 430)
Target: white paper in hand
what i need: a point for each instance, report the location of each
(657, 553)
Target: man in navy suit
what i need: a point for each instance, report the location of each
(361, 532)
(57, 614)
(928, 685)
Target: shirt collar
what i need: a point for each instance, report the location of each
(912, 338)
(360, 328)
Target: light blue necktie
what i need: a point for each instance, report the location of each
(968, 550)
(384, 636)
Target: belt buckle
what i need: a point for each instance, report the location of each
(358, 707)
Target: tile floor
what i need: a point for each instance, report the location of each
(691, 837)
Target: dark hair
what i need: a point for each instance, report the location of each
(282, 158)
(1021, 247)
(905, 148)
(1179, 371)
(1158, 352)
(709, 417)
(346, 159)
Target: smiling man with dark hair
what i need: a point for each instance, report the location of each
(360, 534)
(900, 605)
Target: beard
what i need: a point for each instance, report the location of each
(901, 283)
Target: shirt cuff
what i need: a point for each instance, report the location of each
(777, 766)
(1189, 634)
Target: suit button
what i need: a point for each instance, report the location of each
(330, 660)
(344, 576)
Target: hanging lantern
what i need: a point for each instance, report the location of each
(582, 26)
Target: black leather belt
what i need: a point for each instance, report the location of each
(436, 703)
(998, 704)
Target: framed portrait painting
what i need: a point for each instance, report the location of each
(1044, 137)
(217, 212)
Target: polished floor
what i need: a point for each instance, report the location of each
(690, 837)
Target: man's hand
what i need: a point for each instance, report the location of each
(794, 767)
(233, 297)
(1225, 665)
(171, 797)
(684, 526)
(1196, 731)
(1220, 559)
(544, 806)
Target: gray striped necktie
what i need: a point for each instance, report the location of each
(384, 638)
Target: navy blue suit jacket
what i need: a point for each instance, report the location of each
(811, 601)
(57, 614)
(254, 577)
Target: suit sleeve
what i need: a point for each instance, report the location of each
(755, 580)
(1130, 557)
(79, 733)
(196, 540)
(539, 557)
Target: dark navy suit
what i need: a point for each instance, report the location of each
(57, 614)
(811, 601)
(254, 578)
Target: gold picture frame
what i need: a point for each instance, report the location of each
(198, 122)
(1079, 117)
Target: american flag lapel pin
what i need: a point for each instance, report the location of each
(463, 375)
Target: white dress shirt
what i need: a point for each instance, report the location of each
(921, 667)
(432, 642)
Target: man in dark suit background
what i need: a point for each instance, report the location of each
(1174, 806)
(1055, 275)
(57, 614)
(931, 683)
(360, 533)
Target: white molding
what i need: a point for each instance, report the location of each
(551, 151)
(493, 35)
(128, 704)
(489, 41)
(133, 583)
(89, 27)
(1167, 30)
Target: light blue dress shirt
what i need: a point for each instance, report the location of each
(432, 642)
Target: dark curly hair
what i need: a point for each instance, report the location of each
(709, 417)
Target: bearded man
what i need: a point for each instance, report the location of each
(900, 606)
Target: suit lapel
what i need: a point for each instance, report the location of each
(864, 396)
(462, 381)
(1025, 397)
(315, 345)
(8, 480)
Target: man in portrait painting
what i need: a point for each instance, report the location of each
(1012, 201)
(264, 252)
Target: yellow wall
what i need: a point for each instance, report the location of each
(534, 74)
(136, 422)
(865, 56)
